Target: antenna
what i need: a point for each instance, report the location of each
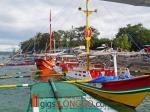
(50, 33)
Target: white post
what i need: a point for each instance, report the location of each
(115, 62)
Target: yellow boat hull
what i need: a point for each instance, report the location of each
(78, 81)
(132, 100)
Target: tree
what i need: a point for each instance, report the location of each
(57, 37)
(137, 34)
(63, 39)
(122, 42)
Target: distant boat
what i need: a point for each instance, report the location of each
(19, 60)
(46, 62)
(46, 67)
(66, 62)
(147, 48)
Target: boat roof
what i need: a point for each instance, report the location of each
(63, 90)
(47, 99)
(132, 2)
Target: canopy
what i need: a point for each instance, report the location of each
(132, 2)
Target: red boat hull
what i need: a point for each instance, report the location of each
(137, 82)
(46, 67)
(66, 66)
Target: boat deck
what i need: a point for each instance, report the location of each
(60, 97)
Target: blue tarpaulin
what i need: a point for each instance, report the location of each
(111, 78)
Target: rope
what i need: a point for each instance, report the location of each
(130, 36)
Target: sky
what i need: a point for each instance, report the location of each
(22, 19)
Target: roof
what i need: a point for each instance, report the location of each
(48, 102)
(132, 2)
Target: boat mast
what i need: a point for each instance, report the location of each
(50, 34)
(54, 46)
(34, 51)
(87, 32)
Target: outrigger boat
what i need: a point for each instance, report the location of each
(60, 97)
(130, 92)
(45, 67)
(125, 89)
(45, 62)
(130, 97)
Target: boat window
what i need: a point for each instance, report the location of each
(84, 75)
(84, 71)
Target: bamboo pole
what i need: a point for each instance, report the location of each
(14, 86)
(30, 76)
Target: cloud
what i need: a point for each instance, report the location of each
(22, 19)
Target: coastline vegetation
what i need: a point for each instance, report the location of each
(129, 38)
